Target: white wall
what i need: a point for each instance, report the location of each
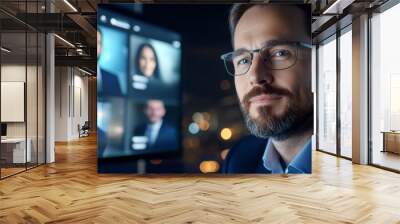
(71, 94)
(16, 73)
(33, 126)
(61, 103)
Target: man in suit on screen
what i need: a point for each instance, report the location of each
(108, 84)
(160, 135)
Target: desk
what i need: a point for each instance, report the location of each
(391, 141)
(16, 147)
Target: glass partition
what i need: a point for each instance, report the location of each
(22, 88)
(346, 93)
(14, 151)
(31, 98)
(385, 89)
(41, 91)
(327, 95)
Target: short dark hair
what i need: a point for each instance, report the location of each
(239, 9)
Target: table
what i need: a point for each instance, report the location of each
(16, 147)
(391, 141)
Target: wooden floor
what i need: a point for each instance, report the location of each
(70, 191)
(387, 159)
(10, 171)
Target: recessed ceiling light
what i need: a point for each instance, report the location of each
(70, 5)
(5, 50)
(65, 41)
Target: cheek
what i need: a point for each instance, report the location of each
(142, 63)
(304, 84)
(293, 80)
(241, 87)
(153, 64)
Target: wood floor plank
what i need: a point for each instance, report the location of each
(71, 191)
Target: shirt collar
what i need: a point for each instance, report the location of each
(301, 163)
(156, 125)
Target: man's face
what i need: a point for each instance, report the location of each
(98, 44)
(273, 101)
(147, 61)
(155, 110)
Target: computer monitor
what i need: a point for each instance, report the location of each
(3, 129)
(139, 75)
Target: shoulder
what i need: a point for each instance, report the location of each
(140, 127)
(168, 125)
(109, 78)
(245, 156)
(107, 74)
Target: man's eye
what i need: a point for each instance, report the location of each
(280, 53)
(243, 61)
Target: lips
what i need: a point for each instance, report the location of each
(265, 99)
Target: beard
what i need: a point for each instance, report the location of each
(296, 118)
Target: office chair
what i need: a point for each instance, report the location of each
(84, 130)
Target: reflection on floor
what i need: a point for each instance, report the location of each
(386, 159)
(8, 170)
(71, 191)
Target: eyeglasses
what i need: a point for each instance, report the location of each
(277, 55)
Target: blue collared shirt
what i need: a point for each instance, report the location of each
(274, 163)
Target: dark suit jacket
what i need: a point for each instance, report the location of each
(110, 84)
(167, 138)
(246, 156)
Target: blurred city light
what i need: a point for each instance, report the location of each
(226, 134)
(204, 125)
(209, 166)
(155, 161)
(197, 117)
(224, 153)
(194, 128)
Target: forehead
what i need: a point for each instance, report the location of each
(263, 23)
(154, 104)
(147, 49)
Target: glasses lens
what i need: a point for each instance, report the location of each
(280, 56)
(238, 63)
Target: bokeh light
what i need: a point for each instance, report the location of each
(155, 161)
(197, 117)
(207, 116)
(209, 166)
(204, 125)
(224, 153)
(193, 128)
(226, 133)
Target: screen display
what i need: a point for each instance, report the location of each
(3, 129)
(138, 87)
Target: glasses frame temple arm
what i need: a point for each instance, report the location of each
(305, 45)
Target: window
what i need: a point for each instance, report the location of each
(385, 89)
(327, 96)
(346, 93)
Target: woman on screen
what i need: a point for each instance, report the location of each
(147, 61)
(147, 82)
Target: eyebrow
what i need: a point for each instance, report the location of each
(269, 43)
(274, 42)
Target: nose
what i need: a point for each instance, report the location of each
(259, 73)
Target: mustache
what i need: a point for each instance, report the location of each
(266, 89)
